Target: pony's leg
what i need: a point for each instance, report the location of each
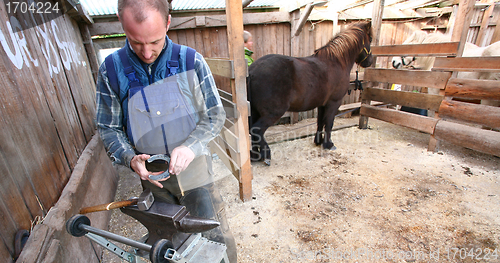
(255, 139)
(260, 128)
(331, 109)
(318, 139)
(255, 151)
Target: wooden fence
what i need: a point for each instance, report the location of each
(464, 123)
(457, 121)
(227, 144)
(48, 102)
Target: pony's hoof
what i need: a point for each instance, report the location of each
(329, 146)
(318, 139)
(267, 162)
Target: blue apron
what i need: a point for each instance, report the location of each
(155, 109)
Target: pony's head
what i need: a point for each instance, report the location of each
(419, 37)
(350, 45)
(416, 37)
(365, 58)
(403, 61)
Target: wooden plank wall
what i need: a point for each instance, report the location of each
(48, 101)
(478, 18)
(211, 42)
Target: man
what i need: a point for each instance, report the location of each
(247, 38)
(157, 97)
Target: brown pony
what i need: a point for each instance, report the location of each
(278, 83)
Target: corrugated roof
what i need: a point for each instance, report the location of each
(99, 7)
(108, 7)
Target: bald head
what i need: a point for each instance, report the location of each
(141, 8)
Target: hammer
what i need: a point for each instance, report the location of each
(143, 203)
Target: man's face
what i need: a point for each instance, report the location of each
(249, 43)
(147, 38)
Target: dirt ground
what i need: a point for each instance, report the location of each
(379, 197)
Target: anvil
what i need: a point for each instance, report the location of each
(169, 221)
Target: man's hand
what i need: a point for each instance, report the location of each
(138, 164)
(180, 158)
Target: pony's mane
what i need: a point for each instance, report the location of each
(345, 46)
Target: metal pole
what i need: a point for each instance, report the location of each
(115, 237)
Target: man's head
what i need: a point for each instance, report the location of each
(247, 38)
(145, 23)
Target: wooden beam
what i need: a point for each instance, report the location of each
(475, 64)
(404, 98)
(377, 14)
(233, 153)
(89, 48)
(230, 108)
(221, 67)
(225, 158)
(220, 20)
(107, 28)
(496, 33)
(436, 49)
(363, 120)
(469, 112)
(234, 13)
(303, 19)
(114, 27)
(462, 22)
(485, 23)
(78, 13)
(405, 119)
(246, 3)
(225, 94)
(230, 138)
(229, 124)
(420, 78)
(473, 89)
(470, 137)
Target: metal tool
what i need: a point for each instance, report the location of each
(169, 221)
(163, 157)
(190, 248)
(144, 202)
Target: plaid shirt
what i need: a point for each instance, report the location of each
(203, 96)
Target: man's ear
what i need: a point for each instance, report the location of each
(169, 20)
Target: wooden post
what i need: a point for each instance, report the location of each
(246, 3)
(234, 13)
(303, 19)
(462, 23)
(294, 52)
(484, 24)
(89, 48)
(377, 15)
(496, 33)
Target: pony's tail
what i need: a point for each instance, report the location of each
(249, 99)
